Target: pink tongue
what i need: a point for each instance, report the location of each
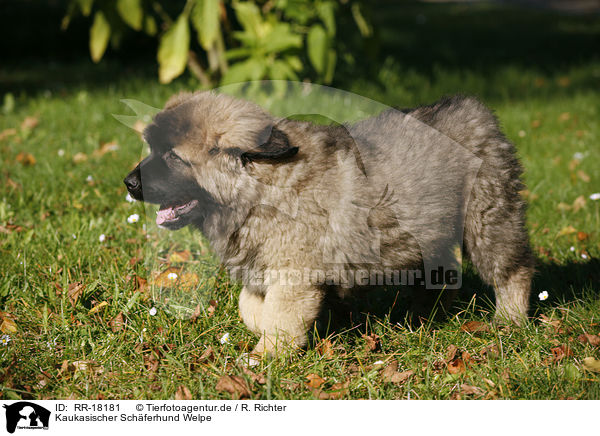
(165, 215)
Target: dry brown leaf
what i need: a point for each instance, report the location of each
(75, 291)
(560, 352)
(79, 158)
(582, 236)
(151, 362)
(593, 340)
(117, 323)
(235, 385)
(583, 176)
(29, 123)
(98, 307)
(373, 342)
(207, 354)
(568, 230)
(451, 352)
(26, 159)
(8, 326)
(591, 364)
(184, 281)
(290, 384)
(457, 366)
(7, 132)
(314, 381)
(471, 390)
(325, 348)
(339, 390)
(390, 373)
(579, 203)
(183, 393)
(564, 116)
(475, 327)
(106, 148)
(258, 378)
(490, 351)
(180, 256)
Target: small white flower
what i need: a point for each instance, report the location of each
(572, 248)
(102, 237)
(133, 218)
(584, 256)
(74, 236)
(522, 133)
(172, 276)
(543, 295)
(379, 362)
(595, 196)
(4, 340)
(61, 152)
(152, 311)
(579, 155)
(129, 198)
(225, 338)
(89, 178)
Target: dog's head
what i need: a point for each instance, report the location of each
(202, 148)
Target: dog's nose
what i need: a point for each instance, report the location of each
(132, 183)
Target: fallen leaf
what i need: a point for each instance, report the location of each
(235, 385)
(106, 148)
(591, 364)
(338, 390)
(117, 323)
(26, 159)
(151, 362)
(29, 123)
(184, 281)
(207, 354)
(7, 132)
(325, 348)
(475, 327)
(471, 390)
(579, 203)
(593, 340)
(183, 393)
(390, 373)
(8, 325)
(566, 231)
(79, 157)
(560, 352)
(583, 176)
(74, 292)
(457, 366)
(373, 342)
(290, 384)
(582, 236)
(98, 307)
(564, 116)
(451, 352)
(314, 381)
(258, 378)
(180, 256)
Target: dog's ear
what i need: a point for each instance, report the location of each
(273, 145)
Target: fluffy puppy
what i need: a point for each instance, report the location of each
(296, 210)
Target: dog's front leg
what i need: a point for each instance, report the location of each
(287, 313)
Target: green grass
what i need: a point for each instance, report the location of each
(61, 216)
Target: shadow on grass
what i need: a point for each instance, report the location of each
(565, 284)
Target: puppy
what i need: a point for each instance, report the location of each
(296, 210)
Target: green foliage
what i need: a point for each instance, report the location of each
(260, 39)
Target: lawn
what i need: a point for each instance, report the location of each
(84, 316)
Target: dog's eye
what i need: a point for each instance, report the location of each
(173, 156)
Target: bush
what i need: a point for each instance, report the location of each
(235, 41)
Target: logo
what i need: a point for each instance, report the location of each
(26, 415)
